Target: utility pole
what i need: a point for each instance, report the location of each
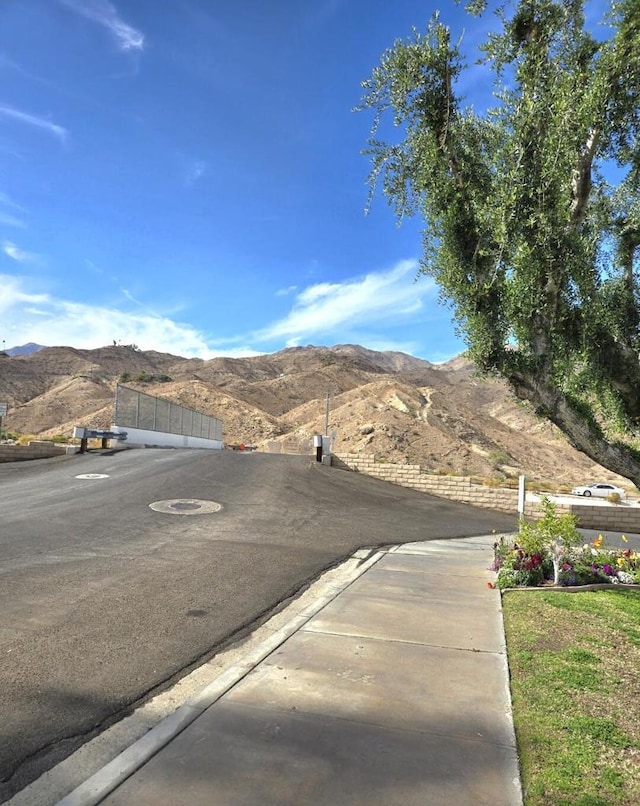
(326, 416)
(3, 413)
(3, 406)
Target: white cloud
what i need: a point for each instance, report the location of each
(31, 120)
(105, 13)
(284, 292)
(44, 319)
(328, 309)
(17, 254)
(11, 221)
(381, 310)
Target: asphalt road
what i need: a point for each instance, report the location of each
(104, 601)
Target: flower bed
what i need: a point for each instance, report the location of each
(549, 553)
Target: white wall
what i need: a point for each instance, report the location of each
(139, 436)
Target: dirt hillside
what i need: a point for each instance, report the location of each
(444, 417)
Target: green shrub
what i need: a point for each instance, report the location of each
(59, 439)
(531, 538)
(506, 578)
(539, 552)
(492, 482)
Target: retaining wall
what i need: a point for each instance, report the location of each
(613, 518)
(34, 450)
(621, 517)
(460, 488)
(161, 439)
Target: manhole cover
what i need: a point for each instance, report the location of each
(186, 506)
(92, 476)
(183, 505)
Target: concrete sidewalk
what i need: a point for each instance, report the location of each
(394, 690)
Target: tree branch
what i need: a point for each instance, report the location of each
(582, 434)
(581, 181)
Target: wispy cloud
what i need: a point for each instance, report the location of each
(62, 89)
(19, 255)
(31, 120)
(105, 13)
(8, 220)
(284, 292)
(28, 315)
(109, 277)
(373, 310)
(6, 201)
(194, 172)
(329, 309)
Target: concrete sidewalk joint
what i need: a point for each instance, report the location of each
(400, 651)
(98, 786)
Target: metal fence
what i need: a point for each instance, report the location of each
(136, 409)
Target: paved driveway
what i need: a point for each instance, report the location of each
(104, 600)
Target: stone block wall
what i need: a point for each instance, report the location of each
(34, 450)
(459, 488)
(619, 518)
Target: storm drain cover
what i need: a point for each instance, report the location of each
(186, 506)
(92, 476)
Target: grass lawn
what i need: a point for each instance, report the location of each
(574, 660)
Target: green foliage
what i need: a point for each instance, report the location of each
(145, 377)
(499, 457)
(523, 563)
(61, 439)
(553, 528)
(550, 550)
(531, 538)
(535, 250)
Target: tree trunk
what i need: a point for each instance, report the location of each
(581, 434)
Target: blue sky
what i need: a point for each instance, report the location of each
(187, 176)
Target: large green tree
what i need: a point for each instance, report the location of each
(531, 210)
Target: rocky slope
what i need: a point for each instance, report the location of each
(444, 417)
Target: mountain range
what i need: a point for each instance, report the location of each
(24, 349)
(445, 417)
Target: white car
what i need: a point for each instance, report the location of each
(600, 490)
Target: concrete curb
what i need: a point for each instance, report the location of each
(98, 786)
